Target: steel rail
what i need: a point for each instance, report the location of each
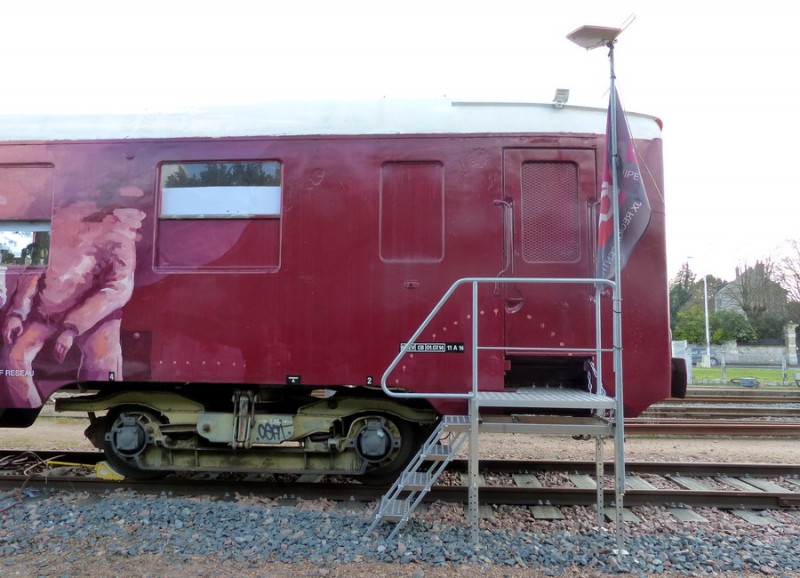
(638, 467)
(711, 428)
(487, 465)
(555, 496)
(729, 399)
(721, 413)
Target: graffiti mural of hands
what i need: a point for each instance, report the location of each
(12, 327)
(64, 343)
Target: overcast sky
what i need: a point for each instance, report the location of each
(720, 75)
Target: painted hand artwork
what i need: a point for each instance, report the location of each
(76, 302)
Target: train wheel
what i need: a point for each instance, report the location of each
(127, 437)
(387, 444)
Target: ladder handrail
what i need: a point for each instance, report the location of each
(406, 347)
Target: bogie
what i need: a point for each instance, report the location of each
(366, 437)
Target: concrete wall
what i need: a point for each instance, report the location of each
(734, 354)
(756, 354)
(762, 354)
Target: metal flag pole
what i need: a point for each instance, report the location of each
(590, 37)
(619, 439)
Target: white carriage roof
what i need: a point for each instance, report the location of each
(352, 117)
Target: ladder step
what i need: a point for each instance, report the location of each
(456, 423)
(456, 419)
(438, 453)
(395, 510)
(416, 481)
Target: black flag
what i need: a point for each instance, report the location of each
(634, 208)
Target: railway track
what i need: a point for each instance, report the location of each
(753, 405)
(531, 483)
(686, 485)
(771, 412)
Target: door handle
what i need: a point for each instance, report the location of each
(508, 237)
(514, 299)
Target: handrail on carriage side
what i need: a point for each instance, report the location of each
(597, 282)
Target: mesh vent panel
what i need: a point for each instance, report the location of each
(549, 212)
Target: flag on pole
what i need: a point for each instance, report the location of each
(634, 208)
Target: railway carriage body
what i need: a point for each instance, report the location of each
(224, 286)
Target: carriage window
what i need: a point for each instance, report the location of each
(219, 215)
(25, 243)
(226, 190)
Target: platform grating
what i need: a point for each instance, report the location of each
(546, 398)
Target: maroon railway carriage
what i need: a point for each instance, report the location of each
(224, 291)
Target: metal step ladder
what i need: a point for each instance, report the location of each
(605, 413)
(421, 473)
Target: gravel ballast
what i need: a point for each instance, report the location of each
(254, 532)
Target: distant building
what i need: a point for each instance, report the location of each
(752, 293)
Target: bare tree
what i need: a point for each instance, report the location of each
(757, 293)
(680, 292)
(788, 270)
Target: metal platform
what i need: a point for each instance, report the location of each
(533, 424)
(547, 425)
(546, 398)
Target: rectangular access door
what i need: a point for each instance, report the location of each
(549, 195)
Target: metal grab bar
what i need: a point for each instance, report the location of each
(597, 282)
(508, 237)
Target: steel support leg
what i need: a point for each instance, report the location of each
(599, 473)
